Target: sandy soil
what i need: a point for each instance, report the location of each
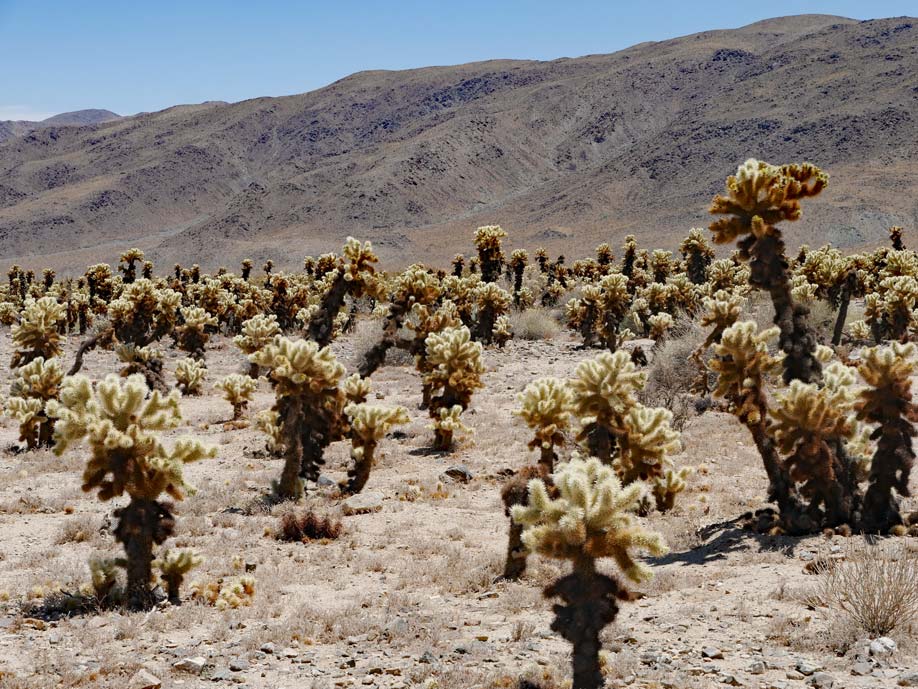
(407, 595)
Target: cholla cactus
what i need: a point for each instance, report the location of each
(35, 385)
(38, 332)
(257, 332)
(143, 313)
(545, 406)
(455, 374)
(414, 287)
(697, 254)
(660, 324)
(661, 265)
(758, 197)
(356, 278)
(146, 361)
(645, 446)
(121, 420)
(173, 567)
(493, 302)
(888, 402)
(604, 391)
(266, 421)
(189, 374)
(518, 261)
(720, 311)
(368, 425)
(225, 595)
(129, 260)
(356, 388)
(490, 255)
(192, 335)
(895, 238)
(583, 314)
(309, 405)
(614, 302)
(237, 390)
(810, 426)
(592, 518)
(503, 331)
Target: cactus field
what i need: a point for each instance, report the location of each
(519, 470)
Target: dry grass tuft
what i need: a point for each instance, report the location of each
(876, 586)
(534, 324)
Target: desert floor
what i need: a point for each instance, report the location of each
(407, 596)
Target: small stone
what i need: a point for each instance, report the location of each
(908, 680)
(882, 646)
(731, 680)
(290, 653)
(757, 668)
(712, 653)
(793, 674)
(806, 668)
(861, 669)
(822, 680)
(362, 503)
(268, 648)
(221, 675)
(144, 680)
(427, 658)
(193, 665)
(239, 665)
(458, 473)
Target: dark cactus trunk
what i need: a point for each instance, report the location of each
(141, 525)
(590, 603)
(889, 470)
(321, 328)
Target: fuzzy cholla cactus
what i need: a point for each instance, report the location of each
(455, 374)
(645, 446)
(604, 391)
(545, 406)
(697, 254)
(593, 517)
(368, 425)
(173, 566)
(758, 197)
(810, 425)
(121, 421)
(720, 311)
(490, 255)
(34, 386)
(493, 302)
(192, 334)
(887, 401)
(189, 374)
(237, 390)
(309, 406)
(38, 332)
(659, 323)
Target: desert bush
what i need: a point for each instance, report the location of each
(536, 323)
(875, 585)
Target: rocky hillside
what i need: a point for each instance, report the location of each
(565, 153)
(77, 118)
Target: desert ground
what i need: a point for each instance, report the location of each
(408, 595)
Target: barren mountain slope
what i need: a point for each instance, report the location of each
(562, 153)
(77, 118)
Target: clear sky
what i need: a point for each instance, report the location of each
(140, 55)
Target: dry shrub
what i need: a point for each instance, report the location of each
(79, 529)
(876, 586)
(305, 525)
(367, 333)
(534, 324)
(672, 372)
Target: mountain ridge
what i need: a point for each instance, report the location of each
(566, 153)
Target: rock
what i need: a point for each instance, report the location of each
(909, 679)
(806, 668)
(428, 658)
(239, 665)
(458, 473)
(221, 675)
(362, 503)
(193, 665)
(290, 653)
(757, 668)
(144, 680)
(821, 680)
(325, 482)
(712, 653)
(731, 680)
(861, 669)
(268, 648)
(882, 646)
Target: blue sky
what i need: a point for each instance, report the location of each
(138, 56)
